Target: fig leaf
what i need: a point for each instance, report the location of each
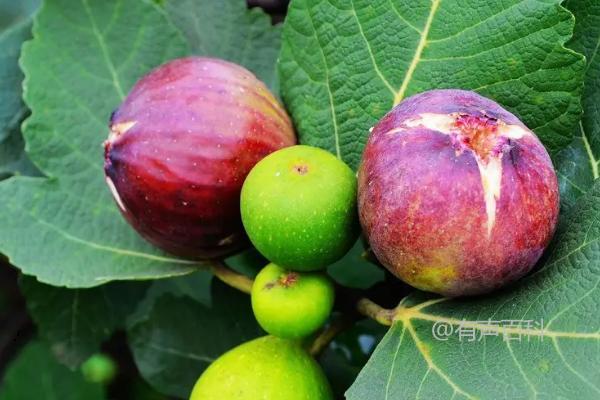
(578, 165)
(84, 57)
(35, 374)
(75, 322)
(179, 336)
(345, 63)
(535, 338)
(227, 30)
(15, 28)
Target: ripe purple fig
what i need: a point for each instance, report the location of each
(456, 195)
(180, 147)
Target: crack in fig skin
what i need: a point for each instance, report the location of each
(486, 137)
(479, 133)
(119, 129)
(180, 147)
(422, 202)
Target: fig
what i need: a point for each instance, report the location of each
(266, 368)
(290, 304)
(99, 368)
(180, 147)
(456, 195)
(299, 208)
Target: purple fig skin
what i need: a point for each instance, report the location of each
(180, 147)
(456, 195)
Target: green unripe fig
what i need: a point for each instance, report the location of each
(291, 304)
(99, 368)
(299, 208)
(266, 368)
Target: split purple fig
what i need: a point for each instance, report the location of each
(180, 147)
(456, 195)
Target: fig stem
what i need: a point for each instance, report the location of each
(230, 277)
(370, 309)
(329, 333)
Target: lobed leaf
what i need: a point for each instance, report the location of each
(180, 337)
(76, 322)
(83, 58)
(534, 340)
(578, 165)
(345, 63)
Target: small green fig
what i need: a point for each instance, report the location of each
(99, 368)
(291, 304)
(266, 368)
(299, 208)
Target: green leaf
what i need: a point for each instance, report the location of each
(574, 171)
(13, 159)
(537, 339)
(227, 29)
(195, 285)
(577, 165)
(13, 12)
(355, 269)
(181, 337)
(84, 57)
(347, 354)
(15, 28)
(76, 321)
(248, 262)
(345, 63)
(12, 109)
(36, 375)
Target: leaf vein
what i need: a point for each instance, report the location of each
(571, 368)
(520, 368)
(328, 86)
(509, 8)
(432, 364)
(179, 353)
(401, 17)
(590, 153)
(419, 50)
(104, 49)
(102, 247)
(389, 380)
(371, 55)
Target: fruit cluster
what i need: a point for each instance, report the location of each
(455, 195)
(181, 145)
